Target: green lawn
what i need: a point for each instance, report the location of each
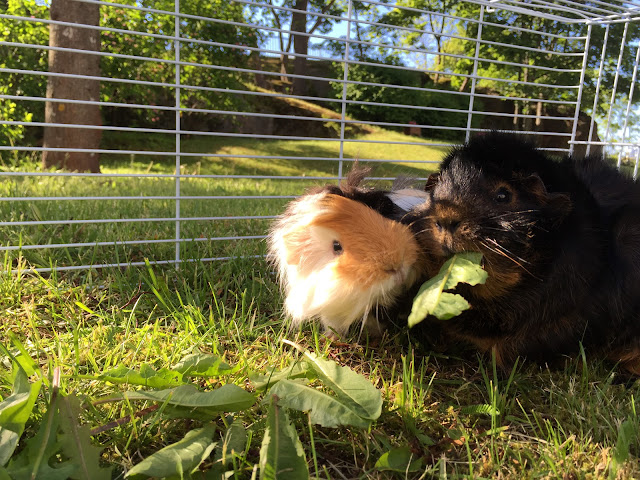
(369, 146)
(444, 415)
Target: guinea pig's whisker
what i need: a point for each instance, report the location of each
(507, 251)
(422, 231)
(500, 250)
(515, 213)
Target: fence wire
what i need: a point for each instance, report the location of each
(213, 118)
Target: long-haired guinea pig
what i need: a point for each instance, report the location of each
(339, 259)
(563, 257)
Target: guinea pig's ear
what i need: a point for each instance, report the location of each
(558, 203)
(431, 181)
(357, 175)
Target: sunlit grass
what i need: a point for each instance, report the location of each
(455, 411)
(234, 162)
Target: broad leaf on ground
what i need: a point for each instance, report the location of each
(432, 298)
(323, 409)
(281, 454)
(76, 442)
(228, 398)
(627, 433)
(15, 411)
(399, 460)
(202, 365)
(33, 460)
(147, 376)
(180, 458)
(298, 369)
(232, 446)
(353, 389)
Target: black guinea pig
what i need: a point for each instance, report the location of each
(561, 243)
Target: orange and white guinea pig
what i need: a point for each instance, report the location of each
(339, 260)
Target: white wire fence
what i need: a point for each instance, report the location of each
(212, 117)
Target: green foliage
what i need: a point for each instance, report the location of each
(227, 398)
(560, 50)
(353, 390)
(400, 460)
(15, 410)
(178, 460)
(75, 441)
(21, 58)
(60, 435)
(627, 434)
(38, 458)
(376, 102)
(432, 299)
(538, 423)
(323, 409)
(199, 54)
(161, 51)
(356, 401)
(281, 455)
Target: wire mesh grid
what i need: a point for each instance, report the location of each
(212, 115)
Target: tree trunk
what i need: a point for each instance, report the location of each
(73, 88)
(463, 86)
(300, 46)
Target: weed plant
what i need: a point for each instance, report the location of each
(444, 415)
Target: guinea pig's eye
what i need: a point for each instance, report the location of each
(337, 248)
(503, 195)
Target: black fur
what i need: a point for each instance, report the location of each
(561, 242)
(373, 198)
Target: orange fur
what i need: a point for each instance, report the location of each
(378, 259)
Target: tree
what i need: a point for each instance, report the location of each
(192, 50)
(547, 51)
(424, 24)
(303, 22)
(61, 87)
(232, 53)
(21, 59)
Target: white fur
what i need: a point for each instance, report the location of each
(312, 286)
(408, 198)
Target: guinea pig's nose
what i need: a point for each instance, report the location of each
(449, 224)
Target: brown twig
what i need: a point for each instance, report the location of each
(123, 420)
(135, 297)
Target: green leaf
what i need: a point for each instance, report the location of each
(299, 369)
(281, 454)
(33, 461)
(233, 445)
(184, 456)
(323, 409)
(353, 389)
(15, 411)
(76, 442)
(235, 440)
(228, 398)
(432, 298)
(202, 365)
(627, 432)
(481, 409)
(399, 460)
(147, 377)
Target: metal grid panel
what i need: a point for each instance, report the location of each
(525, 65)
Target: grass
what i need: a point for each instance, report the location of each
(456, 412)
(233, 164)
